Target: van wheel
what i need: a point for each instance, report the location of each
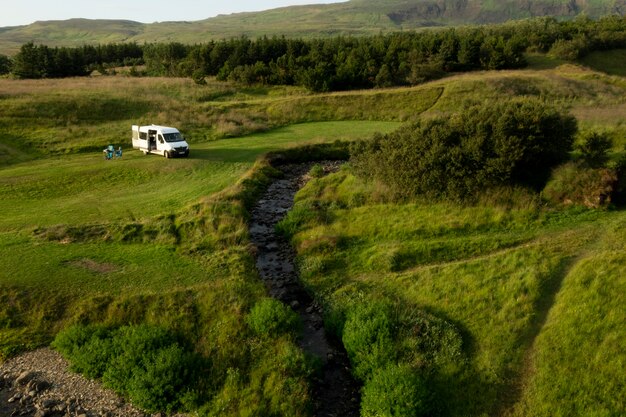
(166, 154)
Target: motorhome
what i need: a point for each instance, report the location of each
(160, 140)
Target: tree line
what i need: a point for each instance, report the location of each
(339, 63)
(41, 61)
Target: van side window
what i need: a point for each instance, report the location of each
(143, 135)
(160, 138)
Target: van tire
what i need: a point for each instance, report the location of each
(166, 154)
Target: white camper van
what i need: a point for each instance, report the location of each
(160, 140)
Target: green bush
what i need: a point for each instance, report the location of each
(430, 341)
(368, 336)
(276, 387)
(579, 185)
(619, 191)
(489, 145)
(595, 148)
(270, 317)
(89, 348)
(158, 380)
(396, 391)
(145, 363)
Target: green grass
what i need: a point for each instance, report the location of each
(578, 364)
(86, 188)
(144, 239)
(493, 272)
(93, 268)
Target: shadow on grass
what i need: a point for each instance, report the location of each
(510, 392)
(464, 390)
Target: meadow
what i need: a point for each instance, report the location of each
(518, 289)
(501, 275)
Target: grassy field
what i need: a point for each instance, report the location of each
(518, 290)
(494, 273)
(143, 239)
(534, 294)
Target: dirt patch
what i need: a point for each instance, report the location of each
(93, 266)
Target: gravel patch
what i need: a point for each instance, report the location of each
(39, 384)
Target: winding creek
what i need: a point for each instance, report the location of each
(335, 392)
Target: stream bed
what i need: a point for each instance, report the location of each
(335, 392)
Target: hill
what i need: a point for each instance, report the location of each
(355, 17)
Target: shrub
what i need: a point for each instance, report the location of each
(89, 348)
(145, 363)
(368, 336)
(270, 317)
(619, 191)
(276, 386)
(158, 380)
(575, 184)
(509, 143)
(595, 149)
(396, 391)
(431, 342)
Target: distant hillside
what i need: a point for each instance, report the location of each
(355, 17)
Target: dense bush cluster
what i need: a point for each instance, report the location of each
(368, 337)
(397, 391)
(145, 363)
(489, 145)
(5, 64)
(340, 63)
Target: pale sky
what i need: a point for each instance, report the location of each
(24, 12)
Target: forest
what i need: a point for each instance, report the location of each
(340, 63)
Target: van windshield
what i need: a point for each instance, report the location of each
(173, 137)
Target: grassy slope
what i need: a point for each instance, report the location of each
(582, 338)
(494, 273)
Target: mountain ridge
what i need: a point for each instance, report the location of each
(354, 17)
